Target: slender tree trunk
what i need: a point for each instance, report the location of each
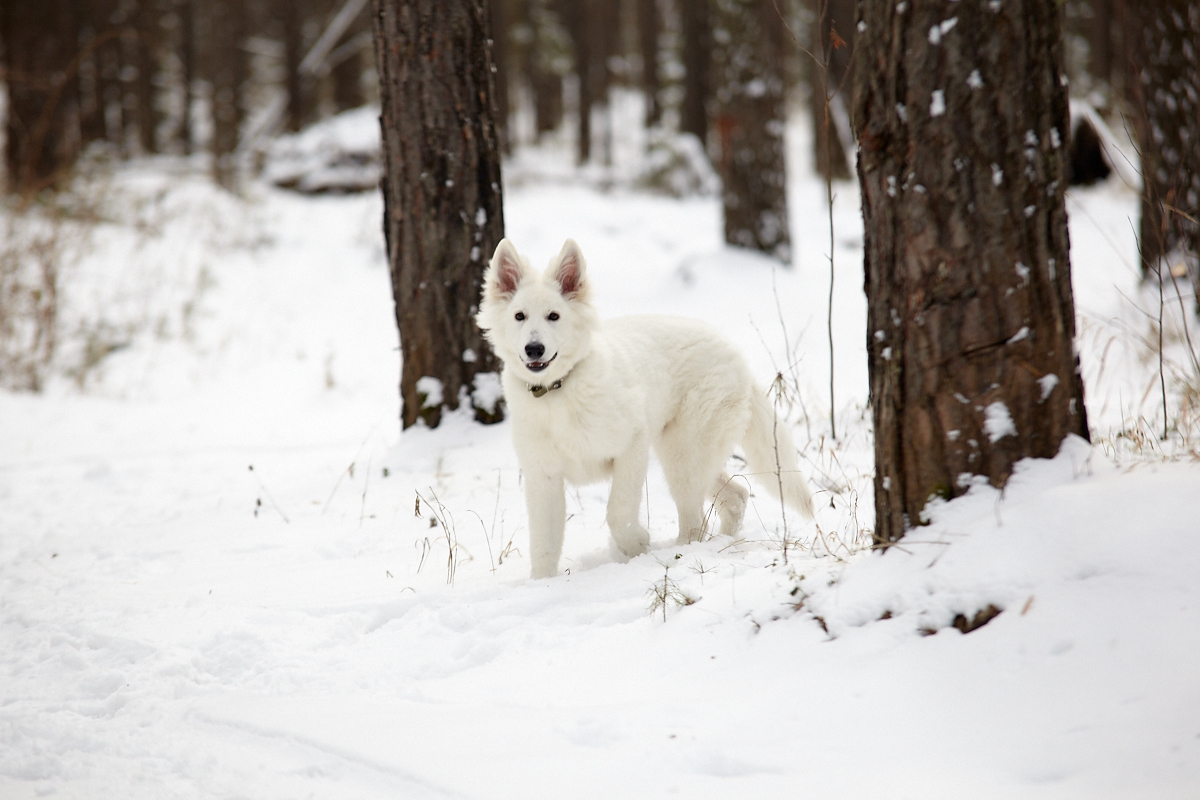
(751, 124)
(502, 63)
(961, 116)
(41, 43)
(229, 69)
(575, 15)
(648, 29)
(347, 76)
(545, 78)
(837, 18)
(443, 207)
(1166, 90)
(145, 53)
(301, 108)
(1100, 40)
(604, 23)
(696, 24)
(187, 60)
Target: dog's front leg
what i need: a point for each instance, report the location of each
(546, 501)
(625, 500)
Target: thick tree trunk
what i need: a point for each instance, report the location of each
(961, 116)
(1166, 97)
(751, 123)
(40, 42)
(443, 210)
(837, 17)
(696, 24)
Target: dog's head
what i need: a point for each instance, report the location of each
(540, 325)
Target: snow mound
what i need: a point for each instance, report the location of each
(338, 155)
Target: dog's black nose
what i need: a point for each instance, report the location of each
(535, 350)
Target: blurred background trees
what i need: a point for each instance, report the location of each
(221, 78)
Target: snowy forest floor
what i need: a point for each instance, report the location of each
(225, 573)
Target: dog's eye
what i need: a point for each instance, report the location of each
(553, 316)
(520, 316)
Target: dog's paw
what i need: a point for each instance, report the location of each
(633, 541)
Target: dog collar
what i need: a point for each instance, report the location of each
(539, 390)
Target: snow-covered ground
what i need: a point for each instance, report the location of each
(225, 573)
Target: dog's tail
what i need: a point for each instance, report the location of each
(771, 456)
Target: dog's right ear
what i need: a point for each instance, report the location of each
(504, 273)
(570, 272)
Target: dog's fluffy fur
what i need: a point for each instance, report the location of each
(588, 400)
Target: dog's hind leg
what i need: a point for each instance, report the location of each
(691, 460)
(730, 496)
(625, 499)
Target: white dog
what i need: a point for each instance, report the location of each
(588, 400)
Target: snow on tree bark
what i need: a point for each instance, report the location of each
(750, 123)
(443, 213)
(961, 115)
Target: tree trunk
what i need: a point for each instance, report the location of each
(301, 100)
(831, 83)
(961, 116)
(347, 78)
(1166, 89)
(575, 16)
(592, 26)
(187, 63)
(443, 207)
(145, 53)
(40, 41)
(228, 70)
(502, 75)
(696, 25)
(648, 29)
(544, 64)
(751, 123)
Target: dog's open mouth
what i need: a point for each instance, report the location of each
(538, 366)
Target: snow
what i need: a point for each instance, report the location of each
(225, 573)
(998, 422)
(937, 103)
(340, 154)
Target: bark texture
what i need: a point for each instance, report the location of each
(1167, 105)
(751, 124)
(441, 188)
(961, 115)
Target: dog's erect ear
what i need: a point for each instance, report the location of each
(570, 272)
(504, 273)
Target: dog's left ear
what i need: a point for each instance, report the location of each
(571, 272)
